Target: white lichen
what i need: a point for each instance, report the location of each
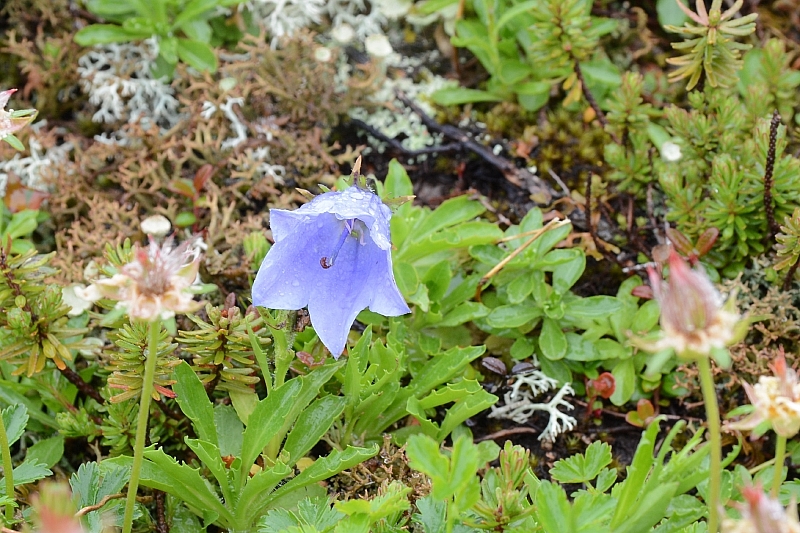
(119, 81)
(284, 17)
(31, 169)
(397, 119)
(518, 404)
(236, 125)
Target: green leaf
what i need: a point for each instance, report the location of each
(28, 472)
(22, 224)
(513, 316)
(514, 12)
(324, 468)
(229, 430)
(650, 510)
(194, 402)
(582, 468)
(267, 419)
(552, 340)
(397, 182)
(567, 273)
(168, 48)
(432, 6)
(466, 312)
(15, 143)
(47, 451)
(552, 508)
(532, 95)
(197, 54)
(646, 317)
(580, 348)
(624, 374)
(198, 30)
(251, 500)
(15, 418)
(162, 472)
(602, 73)
(110, 9)
(461, 95)
(210, 457)
(431, 514)
(669, 14)
(311, 425)
(195, 9)
(637, 472)
(593, 307)
(108, 33)
(556, 369)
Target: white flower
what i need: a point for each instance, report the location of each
(154, 284)
(670, 151)
(378, 46)
(77, 304)
(776, 399)
(156, 226)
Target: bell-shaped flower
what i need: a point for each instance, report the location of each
(155, 284)
(762, 514)
(694, 321)
(776, 401)
(333, 255)
(11, 122)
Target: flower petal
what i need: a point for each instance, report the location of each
(286, 277)
(343, 291)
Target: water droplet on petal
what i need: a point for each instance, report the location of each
(295, 283)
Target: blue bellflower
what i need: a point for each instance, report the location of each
(333, 255)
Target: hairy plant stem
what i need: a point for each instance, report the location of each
(780, 454)
(141, 424)
(8, 470)
(714, 440)
(772, 225)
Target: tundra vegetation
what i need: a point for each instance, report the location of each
(435, 266)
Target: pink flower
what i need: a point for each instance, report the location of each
(776, 400)
(11, 122)
(694, 320)
(155, 284)
(762, 514)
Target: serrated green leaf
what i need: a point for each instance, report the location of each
(582, 468)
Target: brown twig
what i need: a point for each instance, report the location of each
(517, 176)
(397, 145)
(75, 378)
(769, 209)
(593, 103)
(170, 412)
(507, 432)
(535, 234)
(89, 508)
(787, 281)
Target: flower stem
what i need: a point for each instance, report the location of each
(714, 438)
(8, 470)
(780, 453)
(141, 424)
